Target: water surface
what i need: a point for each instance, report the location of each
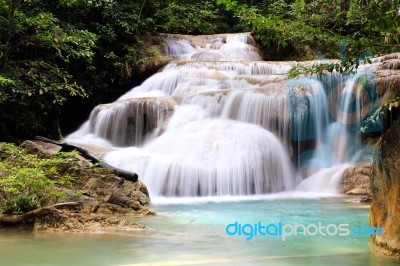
(193, 233)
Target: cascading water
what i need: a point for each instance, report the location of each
(219, 121)
(200, 156)
(337, 118)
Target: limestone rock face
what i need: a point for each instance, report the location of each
(355, 180)
(385, 188)
(129, 122)
(393, 64)
(388, 83)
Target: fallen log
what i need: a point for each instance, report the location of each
(66, 147)
(15, 219)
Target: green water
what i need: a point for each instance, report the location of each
(194, 234)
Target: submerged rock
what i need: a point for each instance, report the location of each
(66, 221)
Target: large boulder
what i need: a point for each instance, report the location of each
(355, 180)
(109, 189)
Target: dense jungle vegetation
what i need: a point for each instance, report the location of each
(54, 52)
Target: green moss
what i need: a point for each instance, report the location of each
(28, 182)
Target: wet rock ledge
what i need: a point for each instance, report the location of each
(98, 200)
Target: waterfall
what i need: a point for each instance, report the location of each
(343, 105)
(219, 121)
(202, 156)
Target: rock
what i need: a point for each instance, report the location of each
(147, 212)
(387, 57)
(113, 220)
(89, 205)
(388, 84)
(356, 180)
(97, 187)
(111, 190)
(98, 195)
(78, 222)
(365, 199)
(390, 64)
(142, 198)
(128, 122)
(110, 208)
(385, 188)
(357, 191)
(359, 199)
(36, 148)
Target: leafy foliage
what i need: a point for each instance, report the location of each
(344, 67)
(191, 17)
(35, 54)
(376, 116)
(28, 182)
(305, 28)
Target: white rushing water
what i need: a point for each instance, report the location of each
(218, 121)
